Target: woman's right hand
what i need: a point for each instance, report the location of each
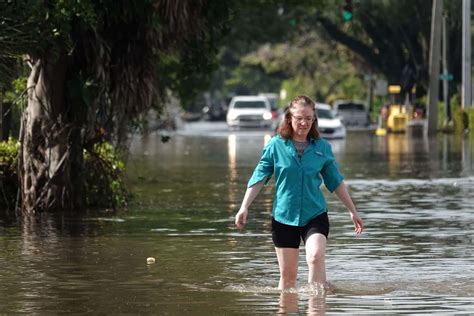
(241, 218)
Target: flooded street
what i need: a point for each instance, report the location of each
(416, 256)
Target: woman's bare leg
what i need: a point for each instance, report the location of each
(315, 258)
(288, 264)
(288, 303)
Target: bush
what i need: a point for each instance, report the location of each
(470, 119)
(8, 173)
(460, 119)
(103, 176)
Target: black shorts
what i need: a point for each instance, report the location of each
(286, 236)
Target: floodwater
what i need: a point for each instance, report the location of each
(415, 257)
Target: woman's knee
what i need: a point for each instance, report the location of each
(315, 249)
(315, 257)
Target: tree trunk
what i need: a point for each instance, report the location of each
(45, 153)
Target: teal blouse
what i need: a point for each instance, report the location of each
(298, 197)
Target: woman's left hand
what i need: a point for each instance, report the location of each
(358, 223)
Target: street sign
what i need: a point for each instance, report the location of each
(394, 89)
(381, 87)
(369, 77)
(446, 76)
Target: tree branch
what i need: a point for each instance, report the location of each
(361, 49)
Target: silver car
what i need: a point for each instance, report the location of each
(249, 111)
(329, 125)
(352, 113)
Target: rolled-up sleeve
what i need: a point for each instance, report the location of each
(264, 168)
(330, 172)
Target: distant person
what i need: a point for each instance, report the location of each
(298, 158)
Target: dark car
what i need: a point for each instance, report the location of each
(215, 112)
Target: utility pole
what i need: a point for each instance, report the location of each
(369, 78)
(466, 54)
(435, 52)
(447, 107)
(370, 95)
(1, 113)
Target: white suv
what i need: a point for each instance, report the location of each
(249, 111)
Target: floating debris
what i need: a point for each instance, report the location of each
(150, 260)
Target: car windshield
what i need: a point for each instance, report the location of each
(351, 106)
(250, 105)
(325, 114)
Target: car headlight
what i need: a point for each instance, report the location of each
(340, 129)
(267, 116)
(233, 116)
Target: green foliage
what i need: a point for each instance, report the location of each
(8, 172)
(470, 119)
(17, 99)
(312, 66)
(381, 38)
(9, 155)
(275, 45)
(377, 104)
(456, 123)
(389, 35)
(249, 79)
(31, 27)
(462, 119)
(186, 74)
(443, 124)
(120, 48)
(119, 59)
(103, 177)
(19, 85)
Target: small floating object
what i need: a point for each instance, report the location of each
(381, 132)
(150, 260)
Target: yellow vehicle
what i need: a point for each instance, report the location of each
(393, 118)
(397, 119)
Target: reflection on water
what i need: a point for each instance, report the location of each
(289, 304)
(309, 299)
(233, 184)
(416, 257)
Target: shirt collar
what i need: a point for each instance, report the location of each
(312, 140)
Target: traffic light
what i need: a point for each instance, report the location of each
(347, 10)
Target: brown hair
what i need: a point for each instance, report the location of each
(285, 129)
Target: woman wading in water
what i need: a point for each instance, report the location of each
(300, 160)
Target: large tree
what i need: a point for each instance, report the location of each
(311, 65)
(384, 38)
(391, 36)
(95, 68)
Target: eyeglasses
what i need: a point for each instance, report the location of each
(299, 119)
